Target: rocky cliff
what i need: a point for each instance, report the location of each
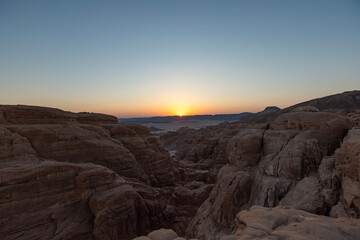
(64, 178)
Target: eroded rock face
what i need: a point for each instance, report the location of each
(284, 223)
(320, 124)
(185, 201)
(203, 149)
(280, 164)
(45, 199)
(148, 152)
(120, 213)
(14, 145)
(139, 156)
(78, 181)
(307, 196)
(293, 149)
(340, 175)
(59, 200)
(79, 144)
(231, 191)
(299, 156)
(244, 149)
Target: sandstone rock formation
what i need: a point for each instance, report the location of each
(273, 166)
(307, 195)
(279, 159)
(69, 180)
(231, 192)
(147, 150)
(84, 176)
(340, 176)
(284, 223)
(79, 144)
(44, 199)
(279, 223)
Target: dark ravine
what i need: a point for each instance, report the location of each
(284, 173)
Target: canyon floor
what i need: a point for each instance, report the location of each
(293, 173)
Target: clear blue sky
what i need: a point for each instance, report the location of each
(142, 58)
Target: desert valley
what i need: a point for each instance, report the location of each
(292, 173)
(179, 120)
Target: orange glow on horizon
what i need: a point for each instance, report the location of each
(172, 109)
(180, 112)
(179, 103)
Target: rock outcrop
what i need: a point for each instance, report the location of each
(231, 191)
(70, 180)
(307, 195)
(45, 199)
(272, 166)
(284, 223)
(147, 150)
(79, 144)
(340, 176)
(279, 223)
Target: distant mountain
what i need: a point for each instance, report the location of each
(339, 103)
(169, 119)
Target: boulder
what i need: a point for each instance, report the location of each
(162, 234)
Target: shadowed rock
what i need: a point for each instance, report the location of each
(22, 114)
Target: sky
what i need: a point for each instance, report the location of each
(155, 58)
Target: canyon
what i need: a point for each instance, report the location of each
(291, 173)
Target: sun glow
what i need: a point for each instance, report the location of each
(180, 111)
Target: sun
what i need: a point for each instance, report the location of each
(180, 112)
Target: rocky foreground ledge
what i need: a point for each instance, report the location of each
(279, 223)
(289, 174)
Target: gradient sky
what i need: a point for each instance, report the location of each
(145, 58)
